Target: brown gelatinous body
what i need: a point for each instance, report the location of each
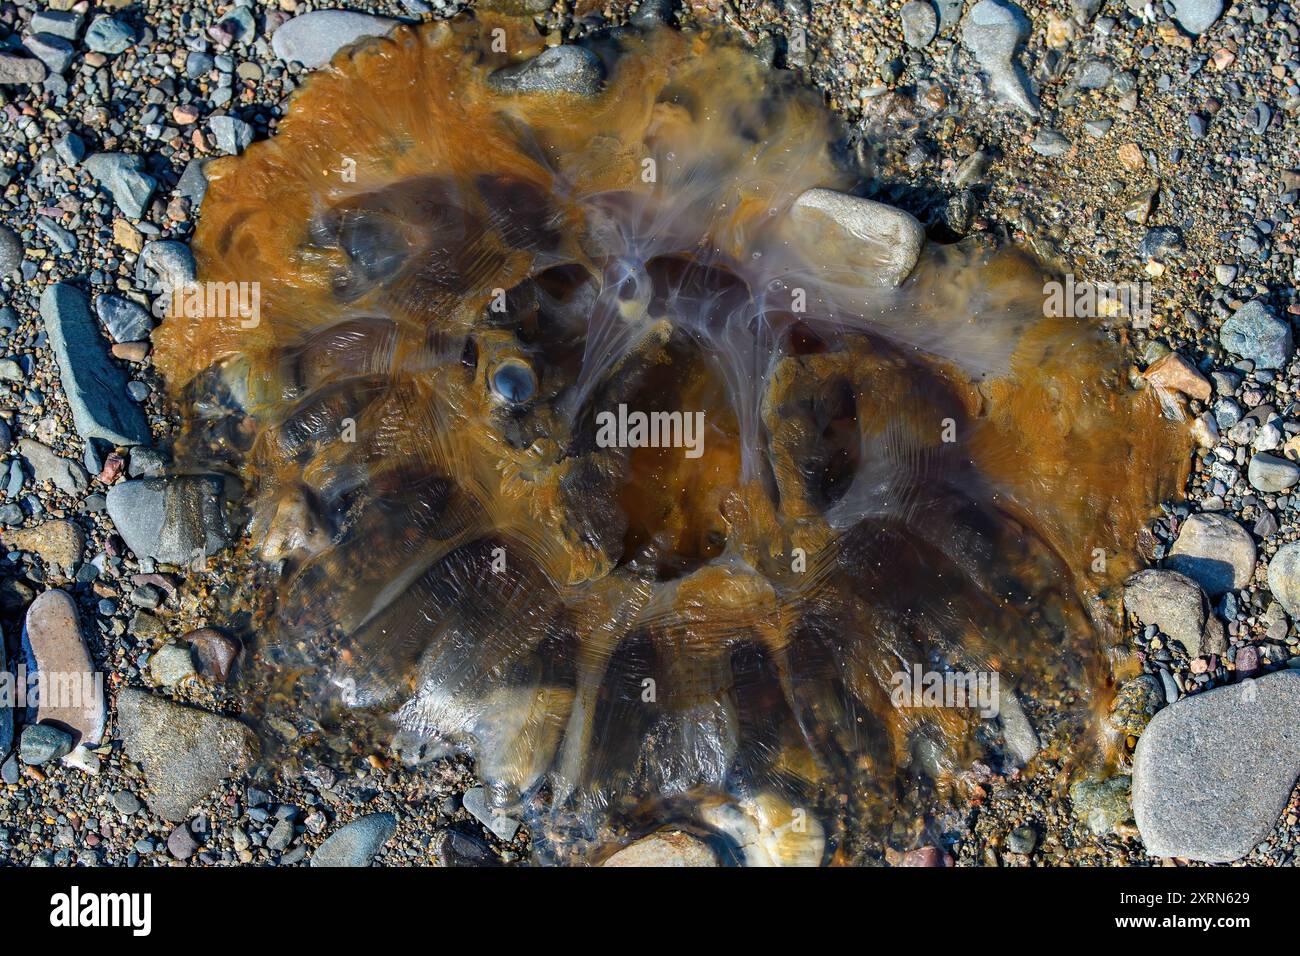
(456, 281)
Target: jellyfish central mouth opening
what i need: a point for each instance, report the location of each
(676, 491)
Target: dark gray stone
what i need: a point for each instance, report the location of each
(313, 38)
(125, 320)
(1174, 603)
(992, 31)
(1215, 552)
(123, 175)
(193, 184)
(1253, 332)
(41, 744)
(60, 23)
(11, 251)
(1213, 772)
(1197, 16)
(185, 753)
(165, 265)
(106, 35)
(55, 52)
(174, 520)
(558, 69)
(232, 134)
(95, 387)
(20, 70)
(357, 843)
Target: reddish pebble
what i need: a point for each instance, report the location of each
(930, 856)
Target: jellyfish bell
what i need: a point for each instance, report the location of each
(836, 453)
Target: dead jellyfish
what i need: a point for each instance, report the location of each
(597, 426)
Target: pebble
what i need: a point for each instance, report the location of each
(665, 848)
(11, 251)
(60, 23)
(1159, 242)
(1212, 773)
(557, 69)
(181, 843)
(66, 475)
(1197, 16)
(20, 70)
(356, 843)
(313, 38)
(165, 265)
(502, 827)
(1284, 577)
(125, 320)
(1215, 551)
(1018, 733)
(992, 31)
(920, 23)
(1050, 143)
(126, 802)
(1268, 473)
(95, 387)
(55, 52)
(215, 652)
(1253, 332)
(185, 753)
(173, 520)
(881, 240)
(109, 36)
(123, 175)
(170, 665)
(1174, 603)
(231, 134)
(41, 744)
(52, 638)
